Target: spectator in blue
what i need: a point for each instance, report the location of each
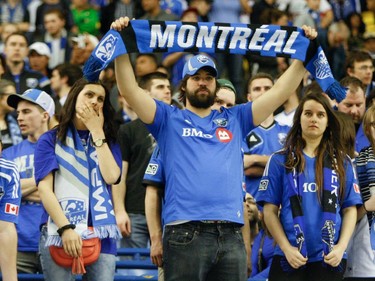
(315, 183)
(205, 143)
(16, 51)
(75, 165)
(354, 105)
(10, 199)
(263, 140)
(361, 249)
(34, 110)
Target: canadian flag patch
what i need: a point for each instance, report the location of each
(11, 209)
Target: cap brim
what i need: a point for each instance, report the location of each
(14, 99)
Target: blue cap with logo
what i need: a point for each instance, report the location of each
(35, 96)
(196, 63)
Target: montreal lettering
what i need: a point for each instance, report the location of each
(233, 37)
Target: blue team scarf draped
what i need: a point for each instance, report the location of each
(143, 36)
(365, 163)
(80, 189)
(329, 202)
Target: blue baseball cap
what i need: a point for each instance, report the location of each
(197, 62)
(34, 96)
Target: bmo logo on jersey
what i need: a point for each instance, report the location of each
(224, 135)
(192, 132)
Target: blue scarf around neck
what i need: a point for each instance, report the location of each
(80, 190)
(329, 202)
(143, 36)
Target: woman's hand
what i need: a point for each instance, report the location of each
(294, 257)
(91, 117)
(335, 256)
(72, 243)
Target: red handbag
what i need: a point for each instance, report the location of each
(90, 254)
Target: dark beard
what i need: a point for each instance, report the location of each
(198, 101)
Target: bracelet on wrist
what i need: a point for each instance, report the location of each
(61, 230)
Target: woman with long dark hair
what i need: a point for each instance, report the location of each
(313, 180)
(75, 164)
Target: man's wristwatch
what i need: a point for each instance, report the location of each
(99, 142)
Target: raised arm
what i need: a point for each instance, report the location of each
(136, 97)
(283, 88)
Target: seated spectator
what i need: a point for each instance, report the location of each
(83, 45)
(145, 64)
(85, 18)
(6, 29)
(48, 5)
(55, 36)
(39, 55)
(16, 51)
(10, 132)
(13, 11)
(357, 28)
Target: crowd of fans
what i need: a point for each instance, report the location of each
(44, 45)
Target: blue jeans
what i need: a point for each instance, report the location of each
(102, 269)
(204, 251)
(139, 237)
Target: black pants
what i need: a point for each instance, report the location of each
(314, 271)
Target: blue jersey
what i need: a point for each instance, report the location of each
(263, 141)
(30, 213)
(46, 162)
(10, 191)
(276, 193)
(203, 162)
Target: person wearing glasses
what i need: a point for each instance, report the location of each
(354, 105)
(359, 65)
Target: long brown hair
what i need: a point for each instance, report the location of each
(68, 111)
(330, 145)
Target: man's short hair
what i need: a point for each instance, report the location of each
(357, 56)
(260, 75)
(72, 71)
(19, 33)
(353, 82)
(145, 81)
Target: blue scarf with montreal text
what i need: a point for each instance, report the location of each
(329, 201)
(143, 36)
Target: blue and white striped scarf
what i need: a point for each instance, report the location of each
(80, 190)
(143, 36)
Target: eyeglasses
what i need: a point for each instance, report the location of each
(366, 67)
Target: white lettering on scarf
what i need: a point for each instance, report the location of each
(334, 182)
(231, 36)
